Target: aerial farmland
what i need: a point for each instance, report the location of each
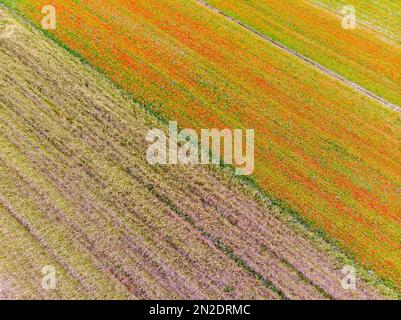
(200, 150)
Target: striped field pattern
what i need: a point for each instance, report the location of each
(77, 189)
(77, 194)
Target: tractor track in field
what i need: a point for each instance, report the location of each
(307, 60)
(7, 291)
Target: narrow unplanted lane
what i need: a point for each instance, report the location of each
(307, 60)
(78, 193)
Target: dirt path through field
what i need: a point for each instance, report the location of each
(305, 59)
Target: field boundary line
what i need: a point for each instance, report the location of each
(307, 60)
